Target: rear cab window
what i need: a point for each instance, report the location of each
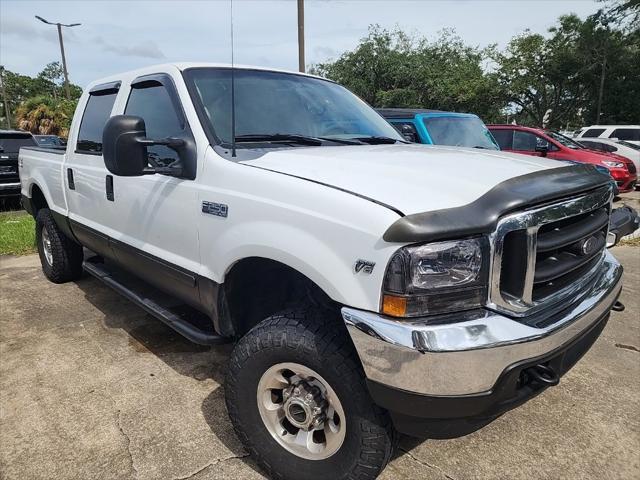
(95, 116)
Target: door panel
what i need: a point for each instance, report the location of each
(157, 213)
(86, 170)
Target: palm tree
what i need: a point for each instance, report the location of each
(44, 115)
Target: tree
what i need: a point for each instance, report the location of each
(581, 65)
(45, 115)
(19, 87)
(52, 73)
(393, 69)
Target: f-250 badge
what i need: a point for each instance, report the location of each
(363, 266)
(218, 209)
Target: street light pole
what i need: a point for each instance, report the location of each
(64, 63)
(301, 62)
(64, 59)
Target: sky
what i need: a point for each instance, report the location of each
(120, 35)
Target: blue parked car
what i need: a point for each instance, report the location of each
(435, 127)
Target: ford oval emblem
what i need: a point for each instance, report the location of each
(589, 246)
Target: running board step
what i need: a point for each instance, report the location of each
(179, 324)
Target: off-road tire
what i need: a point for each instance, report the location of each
(316, 339)
(67, 254)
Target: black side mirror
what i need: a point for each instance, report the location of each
(409, 133)
(124, 148)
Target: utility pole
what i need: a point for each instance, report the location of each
(301, 63)
(64, 60)
(4, 98)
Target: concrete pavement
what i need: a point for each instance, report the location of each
(93, 388)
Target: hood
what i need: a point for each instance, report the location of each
(410, 178)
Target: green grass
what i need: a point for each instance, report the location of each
(17, 233)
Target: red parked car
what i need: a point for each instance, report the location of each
(547, 143)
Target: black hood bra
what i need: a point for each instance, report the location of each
(481, 215)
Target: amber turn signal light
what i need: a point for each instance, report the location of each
(394, 306)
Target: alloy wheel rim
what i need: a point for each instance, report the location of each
(301, 411)
(46, 246)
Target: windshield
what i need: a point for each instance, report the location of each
(459, 131)
(11, 143)
(270, 103)
(566, 141)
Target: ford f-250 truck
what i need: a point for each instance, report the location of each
(366, 296)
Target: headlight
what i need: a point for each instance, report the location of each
(613, 164)
(436, 278)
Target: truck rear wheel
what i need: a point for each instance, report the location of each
(61, 257)
(296, 395)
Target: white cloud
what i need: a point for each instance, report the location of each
(146, 49)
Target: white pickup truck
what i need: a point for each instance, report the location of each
(371, 286)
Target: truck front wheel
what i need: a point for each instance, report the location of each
(296, 395)
(61, 257)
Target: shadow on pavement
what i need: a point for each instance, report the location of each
(186, 358)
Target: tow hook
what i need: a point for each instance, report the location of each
(543, 374)
(618, 307)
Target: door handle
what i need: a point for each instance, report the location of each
(109, 187)
(70, 181)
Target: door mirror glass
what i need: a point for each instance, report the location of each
(123, 147)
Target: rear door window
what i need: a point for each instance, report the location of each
(632, 134)
(96, 114)
(504, 138)
(593, 132)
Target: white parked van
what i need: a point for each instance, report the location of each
(628, 133)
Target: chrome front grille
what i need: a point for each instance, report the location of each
(544, 255)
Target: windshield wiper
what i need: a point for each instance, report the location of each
(279, 137)
(346, 141)
(374, 140)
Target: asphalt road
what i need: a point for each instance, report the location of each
(93, 388)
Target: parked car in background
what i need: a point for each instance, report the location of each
(628, 133)
(10, 143)
(435, 127)
(620, 147)
(550, 144)
(49, 141)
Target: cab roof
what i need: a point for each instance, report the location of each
(182, 66)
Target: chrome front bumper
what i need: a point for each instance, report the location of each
(466, 354)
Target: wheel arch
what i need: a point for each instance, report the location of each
(257, 287)
(37, 198)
